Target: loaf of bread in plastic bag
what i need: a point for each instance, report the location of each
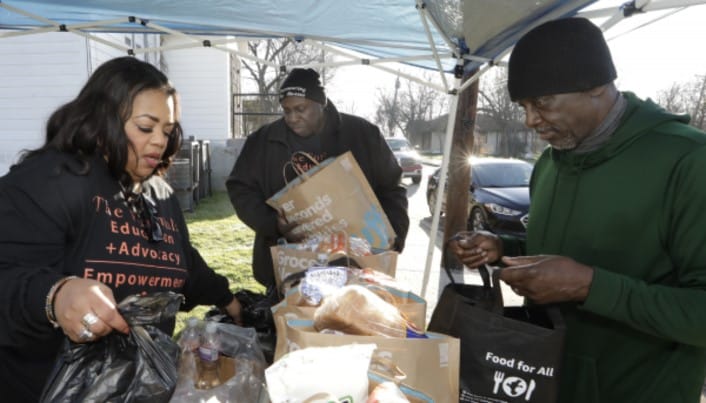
(354, 309)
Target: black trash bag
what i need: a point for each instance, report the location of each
(138, 367)
(256, 313)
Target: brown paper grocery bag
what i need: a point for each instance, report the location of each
(414, 396)
(289, 259)
(431, 365)
(335, 196)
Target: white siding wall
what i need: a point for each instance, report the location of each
(101, 53)
(38, 73)
(202, 77)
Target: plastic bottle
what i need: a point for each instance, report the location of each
(209, 358)
(189, 343)
(190, 336)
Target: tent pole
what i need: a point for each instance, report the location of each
(375, 63)
(421, 8)
(453, 104)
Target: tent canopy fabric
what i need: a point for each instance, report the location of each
(409, 30)
(433, 34)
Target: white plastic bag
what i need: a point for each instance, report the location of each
(321, 375)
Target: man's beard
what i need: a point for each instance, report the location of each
(568, 142)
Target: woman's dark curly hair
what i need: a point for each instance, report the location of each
(93, 123)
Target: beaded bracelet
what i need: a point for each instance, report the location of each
(49, 303)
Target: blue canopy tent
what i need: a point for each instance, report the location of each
(444, 35)
(434, 34)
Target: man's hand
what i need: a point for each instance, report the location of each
(546, 279)
(476, 248)
(234, 310)
(285, 228)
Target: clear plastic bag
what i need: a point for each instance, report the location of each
(241, 369)
(138, 367)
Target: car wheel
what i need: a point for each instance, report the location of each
(416, 179)
(477, 221)
(431, 201)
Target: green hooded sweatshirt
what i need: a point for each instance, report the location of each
(634, 210)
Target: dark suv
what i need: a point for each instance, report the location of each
(499, 195)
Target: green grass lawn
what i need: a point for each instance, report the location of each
(224, 242)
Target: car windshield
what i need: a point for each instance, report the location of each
(398, 144)
(502, 174)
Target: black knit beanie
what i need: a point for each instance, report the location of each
(303, 83)
(560, 56)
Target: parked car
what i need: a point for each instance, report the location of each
(407, 157)
(499, 195)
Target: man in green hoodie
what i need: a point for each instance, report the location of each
(617, 229)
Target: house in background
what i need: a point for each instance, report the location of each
(40, 72)
(490, 137)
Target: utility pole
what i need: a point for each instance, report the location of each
(392, 122)
(459, 173)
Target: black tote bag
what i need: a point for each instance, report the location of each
(508, 354)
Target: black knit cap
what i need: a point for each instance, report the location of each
(560, 56)
(303, 83)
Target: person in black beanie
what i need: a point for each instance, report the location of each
(312, 124)
(303, 83)
(616, 230)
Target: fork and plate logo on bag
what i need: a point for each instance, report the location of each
(510, 384)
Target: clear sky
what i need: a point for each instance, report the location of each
(648, 59)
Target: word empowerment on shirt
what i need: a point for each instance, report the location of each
(120, 254)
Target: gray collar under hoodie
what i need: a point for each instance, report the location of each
(602, 133)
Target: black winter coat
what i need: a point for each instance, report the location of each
(257, 175)
(56, 222)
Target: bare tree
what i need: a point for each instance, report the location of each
(494, 102)
(671, 99)
(387, 115)
(266, 78)
(688, 97)
(408, 106)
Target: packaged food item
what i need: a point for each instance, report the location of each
(320, 281)
(354, 309)
(333, 243)
(359, 247)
